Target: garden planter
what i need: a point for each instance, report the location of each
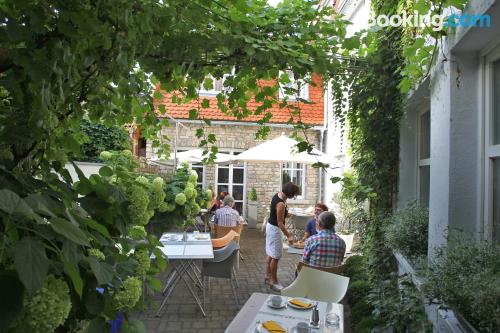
(443, 319)
(252, 207)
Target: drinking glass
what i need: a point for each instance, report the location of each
(332, 323)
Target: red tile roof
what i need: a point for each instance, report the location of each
(311, 114)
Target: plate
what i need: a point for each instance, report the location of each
(305, 300)
(260, 328)
(298, 245)
(281, 306)
(201, 236)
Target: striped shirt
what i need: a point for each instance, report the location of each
(325, 249)
(227, 217)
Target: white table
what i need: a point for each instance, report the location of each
(181, 254)
(256, 309)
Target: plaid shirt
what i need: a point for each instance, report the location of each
(227, 217)
(325, 249)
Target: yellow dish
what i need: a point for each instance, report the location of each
(273, 327)
(299, 303)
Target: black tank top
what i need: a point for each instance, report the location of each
(273, 219)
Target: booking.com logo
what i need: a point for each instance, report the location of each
(436, 22)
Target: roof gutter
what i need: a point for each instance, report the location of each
(241, 123)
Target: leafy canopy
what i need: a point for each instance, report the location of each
(62, 60)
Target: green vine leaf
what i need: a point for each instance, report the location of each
(68, 230)
(31, 263)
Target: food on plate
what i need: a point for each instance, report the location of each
(298, 244)
(272, 326)
(299, 303)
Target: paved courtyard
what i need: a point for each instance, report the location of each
(182, 314)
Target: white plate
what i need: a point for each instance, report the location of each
(201, 237)
(299, 307)
(281, 306)
(261, 329)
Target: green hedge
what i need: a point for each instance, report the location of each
(407, 231)
(466, 277)
(101, 138)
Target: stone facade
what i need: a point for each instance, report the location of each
(264, 177)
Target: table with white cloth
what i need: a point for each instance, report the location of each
(182, 255)
(257, 311)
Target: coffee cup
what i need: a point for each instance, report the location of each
(276, 300)
(302, 327)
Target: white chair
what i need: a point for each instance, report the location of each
(318, 285)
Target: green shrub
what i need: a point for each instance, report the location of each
(358, 290)
(365, 325)
(356, 267)
(101, 138)
(252, 195)
(407, 231)
(466, 277)
(360, 311)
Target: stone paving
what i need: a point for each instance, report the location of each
(183, 315)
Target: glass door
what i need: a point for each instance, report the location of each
(231, 178)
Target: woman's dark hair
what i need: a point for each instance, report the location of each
(222, 195)
(321, 206)
(290, 190)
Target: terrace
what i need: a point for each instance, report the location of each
(183, 315)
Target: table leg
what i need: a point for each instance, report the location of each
(195, 296)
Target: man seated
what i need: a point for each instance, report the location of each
(310, 229)
(227, 216)
(325, 249)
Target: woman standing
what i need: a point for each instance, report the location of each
(274, 228)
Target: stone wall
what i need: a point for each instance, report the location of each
(264, 177)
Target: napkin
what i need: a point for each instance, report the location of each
(299, 303)
(273, 326)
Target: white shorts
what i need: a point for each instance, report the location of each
(274, 241)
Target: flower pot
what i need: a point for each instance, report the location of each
(252, 207)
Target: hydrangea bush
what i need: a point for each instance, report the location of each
(94, 258)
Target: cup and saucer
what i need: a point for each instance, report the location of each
(301, 327)
(276, 302)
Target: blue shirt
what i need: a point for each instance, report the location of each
(311, 227)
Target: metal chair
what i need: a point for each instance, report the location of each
(221, 231)
(222, 266)
(318, 285)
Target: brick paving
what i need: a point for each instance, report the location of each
(183, 315)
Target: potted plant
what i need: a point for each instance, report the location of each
(252, 208)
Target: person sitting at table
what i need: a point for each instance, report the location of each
(325, 249)
(217, 202)
(227, 216)
(310, 229)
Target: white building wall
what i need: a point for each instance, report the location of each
(358, 13)
(455, 97)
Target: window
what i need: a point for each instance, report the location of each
(217, 85)
(200, 170)
(290, 89)
(492, 147)
(231, 178)
(198, 167)
(424, 158)
(295, 172)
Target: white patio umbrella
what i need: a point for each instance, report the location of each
(281, 149)
(191, 156)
